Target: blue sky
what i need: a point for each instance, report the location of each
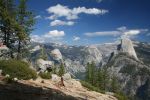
(80, 22)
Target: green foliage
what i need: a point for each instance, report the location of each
(143, 72)
(18, 69)
(25, 19)
(105, 78)
(45, 75)
(121, 96)
(129, 69)
(15, 25)
(90, 73)
(43, 54)
(97, 77)
(61, 70)
(114, 84)
(118, 95)
(91, 87)
(8, 80)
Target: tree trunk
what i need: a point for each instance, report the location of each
(19, 50)
(62, 81)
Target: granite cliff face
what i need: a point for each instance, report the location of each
(76, 57)
(93, 54)
(131, 72)
(56, 54)
(126, 59)
(127, 47)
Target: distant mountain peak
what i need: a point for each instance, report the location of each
(127, 47)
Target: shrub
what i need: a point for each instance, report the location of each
(91, 87)
(45, 75)
(18, 69)
(121, 96)
(129, 69)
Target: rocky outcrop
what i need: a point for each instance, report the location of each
(23, 91)
(92, 54)
(41, 89)
(36, 48)
(4, 52)
(131, 73)
(127, 47)
(56, 54)
(43, 65)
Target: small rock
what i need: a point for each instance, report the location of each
(7, 75)
(55, 78)
(15, 79)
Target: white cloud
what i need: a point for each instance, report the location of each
(37, 38)
(76, 38)
(132, 32)
(59, 22)
(38, 17)
(122, 28)
(54, 35)
(121, 32)
(102, 33)
(63, 11)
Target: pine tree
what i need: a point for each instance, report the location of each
(7, 19)
(100, 79)
(26, 20)
(93, 73)
(8, 24)
(10, 27)
(114, 84)
(88, 72)
(61, 73)
(61, 70)
(103, 79)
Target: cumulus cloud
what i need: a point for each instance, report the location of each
(132, 32)
(54, 35)
(59, 22)
(121, 32)
(76, 38)
(38, 17)
(70, 14)
(122, 28)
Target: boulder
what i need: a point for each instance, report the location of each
(67, 76)
(36, 48)
(55, 78)
(56, 54)
(43, 64)
(4, 52)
